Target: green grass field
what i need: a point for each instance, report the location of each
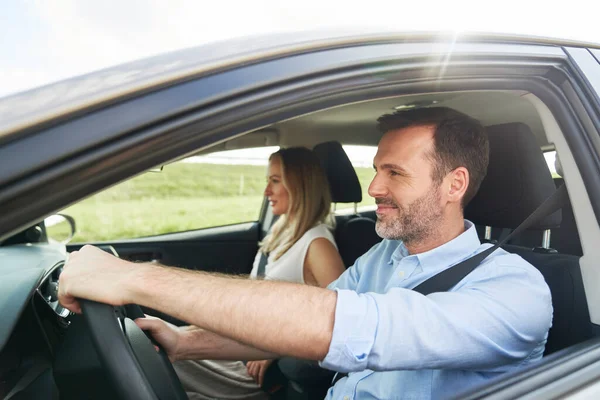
(182, 197)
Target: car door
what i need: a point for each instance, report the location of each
(229, 249)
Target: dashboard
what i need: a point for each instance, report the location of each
(32, 322)
(48, 291)
(46, 351)
(25, 270)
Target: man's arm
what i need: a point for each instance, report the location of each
(193, 343)
(496, 319)
(276, 317)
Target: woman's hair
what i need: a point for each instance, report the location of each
(309, 199)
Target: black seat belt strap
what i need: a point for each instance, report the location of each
(28, 378)
(260, 273)
(446, 279)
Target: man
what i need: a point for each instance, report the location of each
(394, 342)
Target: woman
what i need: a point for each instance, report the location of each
(298, 192)
(299, 248)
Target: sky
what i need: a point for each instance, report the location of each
(44, 41)
(360, 156)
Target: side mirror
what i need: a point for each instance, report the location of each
(60, 228)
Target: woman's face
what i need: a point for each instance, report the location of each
(275, 191)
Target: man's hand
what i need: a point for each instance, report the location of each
(166, 334)
(93, 274)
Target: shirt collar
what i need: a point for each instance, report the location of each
(449, 253)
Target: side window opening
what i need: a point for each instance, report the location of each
(565, 238)
(217, 189)
(361, 158)
(550, 157)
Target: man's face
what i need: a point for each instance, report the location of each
(409, 203)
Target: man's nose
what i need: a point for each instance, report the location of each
(377, 188)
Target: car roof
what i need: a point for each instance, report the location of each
(27, 109)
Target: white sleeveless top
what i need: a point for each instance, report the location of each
(290, 266)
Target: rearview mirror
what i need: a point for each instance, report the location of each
(60, 228)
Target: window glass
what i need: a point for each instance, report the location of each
(361, 158)
(198, 192)
(550, 157)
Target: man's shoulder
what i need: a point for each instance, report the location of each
(504, 264)
(505, 258)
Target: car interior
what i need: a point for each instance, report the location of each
(518, 178)
(520, 129)
(518, 181)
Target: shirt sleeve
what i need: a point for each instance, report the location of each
(350, 278)
(485, 324)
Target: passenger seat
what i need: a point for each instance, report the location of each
(293, 378)
(354, 234)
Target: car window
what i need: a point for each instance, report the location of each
(550, 157)
(361, 158)
(218, 189)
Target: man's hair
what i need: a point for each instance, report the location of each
(459, 141)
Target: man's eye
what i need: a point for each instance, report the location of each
(393, 173)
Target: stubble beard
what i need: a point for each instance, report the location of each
(413, 223)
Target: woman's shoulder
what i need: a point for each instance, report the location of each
(319, 230)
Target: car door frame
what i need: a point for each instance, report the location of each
(573, 372)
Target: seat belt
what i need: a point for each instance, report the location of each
(445, 280)
(262, 263)
(28, 378)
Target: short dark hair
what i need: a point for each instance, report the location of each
(459, 141)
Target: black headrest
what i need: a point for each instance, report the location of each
(355, 237)
(517, 182)
(345, 187)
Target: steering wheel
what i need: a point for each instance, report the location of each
(136, 369)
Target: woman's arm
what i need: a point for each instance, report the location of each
(323, 263)
(193, 343)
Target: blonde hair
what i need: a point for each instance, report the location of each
(309, 199)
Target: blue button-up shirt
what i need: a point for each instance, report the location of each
(399, 344)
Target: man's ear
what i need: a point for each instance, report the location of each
(458, 183)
